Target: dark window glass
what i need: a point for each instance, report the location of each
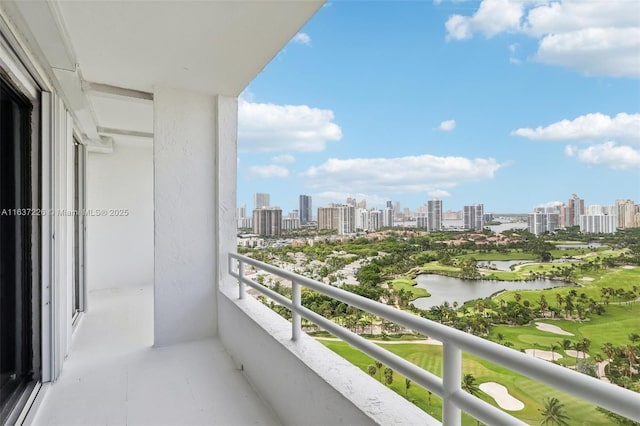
(16, 285)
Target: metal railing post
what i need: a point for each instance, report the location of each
(242, 287)
(296, 319)
(451, 378)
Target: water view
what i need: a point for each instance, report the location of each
(447, 289)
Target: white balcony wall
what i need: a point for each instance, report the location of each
(120, 248)
(304, 382)
(185, 187)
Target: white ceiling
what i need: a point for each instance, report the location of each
(210, 46)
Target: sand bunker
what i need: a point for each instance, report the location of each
(576, 354)
(501, 396)
(586, 279)
(628, 267)
(546, 355)
(549, 328)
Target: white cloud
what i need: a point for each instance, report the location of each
(591, 37)
(550, 204)
(513, 49)
(439, 193)
(302, 38)
(268, 127)
(570, 150)
(268, 171)
(447, 125)
(492, 18)
(283, 159)
(323, 198)
(400, 175)
(616, 50)
(608, 154)
(586, 128)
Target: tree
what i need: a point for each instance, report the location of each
(371, 369)
(469, 384)
(553, 348)
(379, 367)
(388, 376)
(407, 385)
(553, 412)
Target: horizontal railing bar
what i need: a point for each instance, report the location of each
(486, 412)
(477, 409)
(399, 364)
(418, 375)
(611, 397)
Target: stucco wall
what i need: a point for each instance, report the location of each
(185, 186)
(120, 248)
(304, 382)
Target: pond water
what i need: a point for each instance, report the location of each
(448, 289)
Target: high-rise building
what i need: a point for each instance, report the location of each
(387, 216)
(543, 220)
(305, 209)
(473, 217)
(375, 220)
(340, 217)
(598, 224)
(434, 215)
(261, 200)
(628, 214)
(244, 222)
(267, 221)
(575, 209)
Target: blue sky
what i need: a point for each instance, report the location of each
(512, 104)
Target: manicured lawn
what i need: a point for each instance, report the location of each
(429, 357)
(614, 278)
(408, 284)
(598, 329)
(512, 255)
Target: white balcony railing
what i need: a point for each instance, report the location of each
(455, 400)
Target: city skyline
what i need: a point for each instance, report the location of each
(413, 101)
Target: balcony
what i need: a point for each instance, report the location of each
(114, 375)
(132, 118)
(262, 366)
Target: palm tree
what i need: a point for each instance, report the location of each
(407, 385)
(608, 349)
(630, 352)
(553, 412)
(553, 348)
(379, 367)
(388, 376)
(429, 393)
(371, 369)
(469, 384)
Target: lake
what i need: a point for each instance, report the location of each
(448, 289)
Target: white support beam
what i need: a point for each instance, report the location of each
(185, 182)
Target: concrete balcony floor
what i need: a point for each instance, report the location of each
(113, 375)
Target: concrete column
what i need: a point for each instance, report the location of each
(227, 133)
(186, 181)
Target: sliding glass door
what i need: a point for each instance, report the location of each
(19, 292)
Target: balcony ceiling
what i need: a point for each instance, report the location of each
(214, 46)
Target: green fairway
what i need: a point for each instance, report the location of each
(429, 357)
(409, 285)
(598, 330)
